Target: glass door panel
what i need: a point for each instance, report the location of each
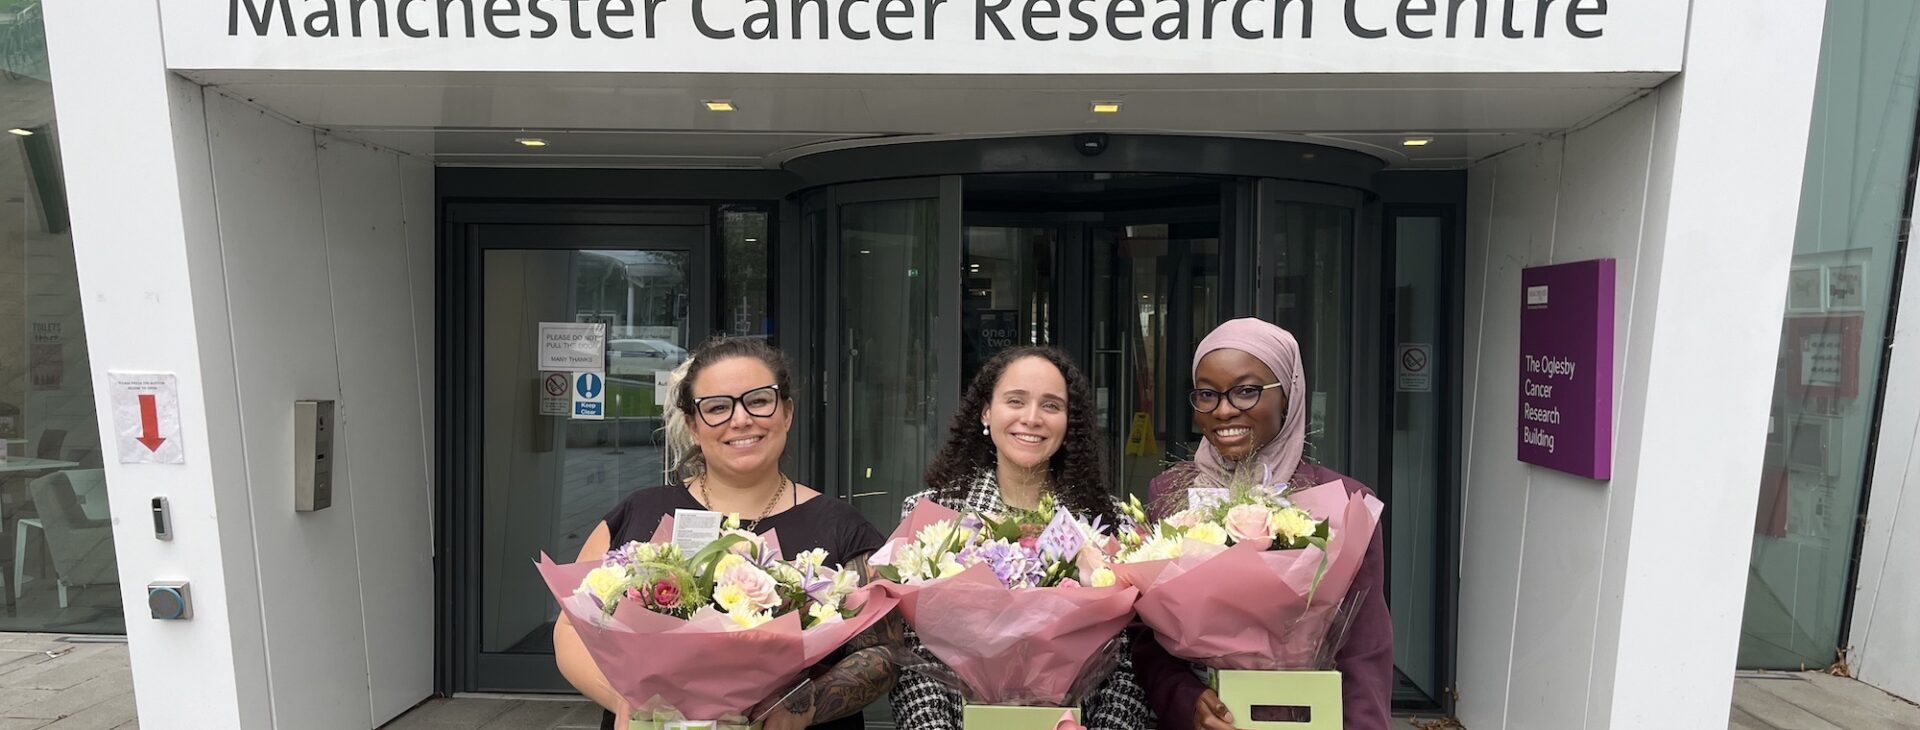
(1305, 285)
(547, 479)
(1155, 294)
(889, 360)
(1008, 298)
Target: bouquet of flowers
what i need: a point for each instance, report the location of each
(711, 635)
(1222, 518)
(1021, 610)
(1040, 548)
(1298, 550)
(739, 575)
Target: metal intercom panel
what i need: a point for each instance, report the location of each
(313, 428)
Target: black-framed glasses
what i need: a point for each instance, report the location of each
(716, 410)
(1243, 397)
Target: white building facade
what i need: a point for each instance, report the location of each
(376, 204)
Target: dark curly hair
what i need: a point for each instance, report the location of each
(1079, 474)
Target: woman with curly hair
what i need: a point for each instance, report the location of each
(1025, 427)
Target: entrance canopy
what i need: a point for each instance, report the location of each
(627, 84)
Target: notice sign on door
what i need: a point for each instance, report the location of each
(554, 400)
(1415, 365)
(146, 418)
(589, 395)
(572, 346)
(1566, 367)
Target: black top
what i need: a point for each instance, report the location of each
(822, 522)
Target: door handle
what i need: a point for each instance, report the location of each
(864, 495)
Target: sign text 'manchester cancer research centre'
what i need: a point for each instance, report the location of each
(1566, 367)
(930, 36)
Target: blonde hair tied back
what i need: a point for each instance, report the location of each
(684, 460)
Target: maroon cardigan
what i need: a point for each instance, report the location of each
(1365, 663)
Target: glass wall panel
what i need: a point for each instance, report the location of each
(57, 569)
(1837, 303)
(1414, 525)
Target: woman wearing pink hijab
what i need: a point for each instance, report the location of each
(1249, 400)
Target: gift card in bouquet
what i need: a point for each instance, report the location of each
(694, 529)
(1303, 700)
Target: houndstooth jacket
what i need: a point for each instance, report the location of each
(920, 703)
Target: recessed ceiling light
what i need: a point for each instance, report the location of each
(865, 251)
(531, 141)
(1106, 107)
(1416, 141)
(753, 240)
(718, 105)
(21, 132)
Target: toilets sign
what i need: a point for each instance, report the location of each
(1566, 367)
(930, 36)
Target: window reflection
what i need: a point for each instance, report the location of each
(1839, 296)
(57, 568)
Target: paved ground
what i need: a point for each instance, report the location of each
(50, 683)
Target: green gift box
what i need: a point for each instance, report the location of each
(1011, 717)
(1318, 692)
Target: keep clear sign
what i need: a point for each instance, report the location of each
(589, 395)
(146, 418)
(1566, 367)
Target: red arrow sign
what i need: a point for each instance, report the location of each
(150, 423)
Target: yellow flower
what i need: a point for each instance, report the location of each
(1208, 532)
(1102, 578)
(815, 557)
(733, 599)
(727, 561)
(824, 613)
(950, 567)
(748, 619)
(607, 583)
(1294, 524)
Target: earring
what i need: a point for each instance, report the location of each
(983, 429)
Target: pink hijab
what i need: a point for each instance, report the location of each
(1281, 353)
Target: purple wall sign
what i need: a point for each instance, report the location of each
(1566, 367)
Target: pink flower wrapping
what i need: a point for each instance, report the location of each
(1247, 607)
(1009, 647)
(700, 667)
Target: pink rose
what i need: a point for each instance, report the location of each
(1069, 583)
(759, 587)
(1184, 519)
(633, 594)
(1248, 522)
(666, 594)
(1030, 543)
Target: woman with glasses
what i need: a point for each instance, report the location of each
(1025, 427)
(731, 409)
(1249, 401)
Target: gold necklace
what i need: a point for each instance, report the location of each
(784, 482)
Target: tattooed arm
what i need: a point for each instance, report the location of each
(862, 675)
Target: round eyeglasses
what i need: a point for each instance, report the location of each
(1243, 397)
(716, 410)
